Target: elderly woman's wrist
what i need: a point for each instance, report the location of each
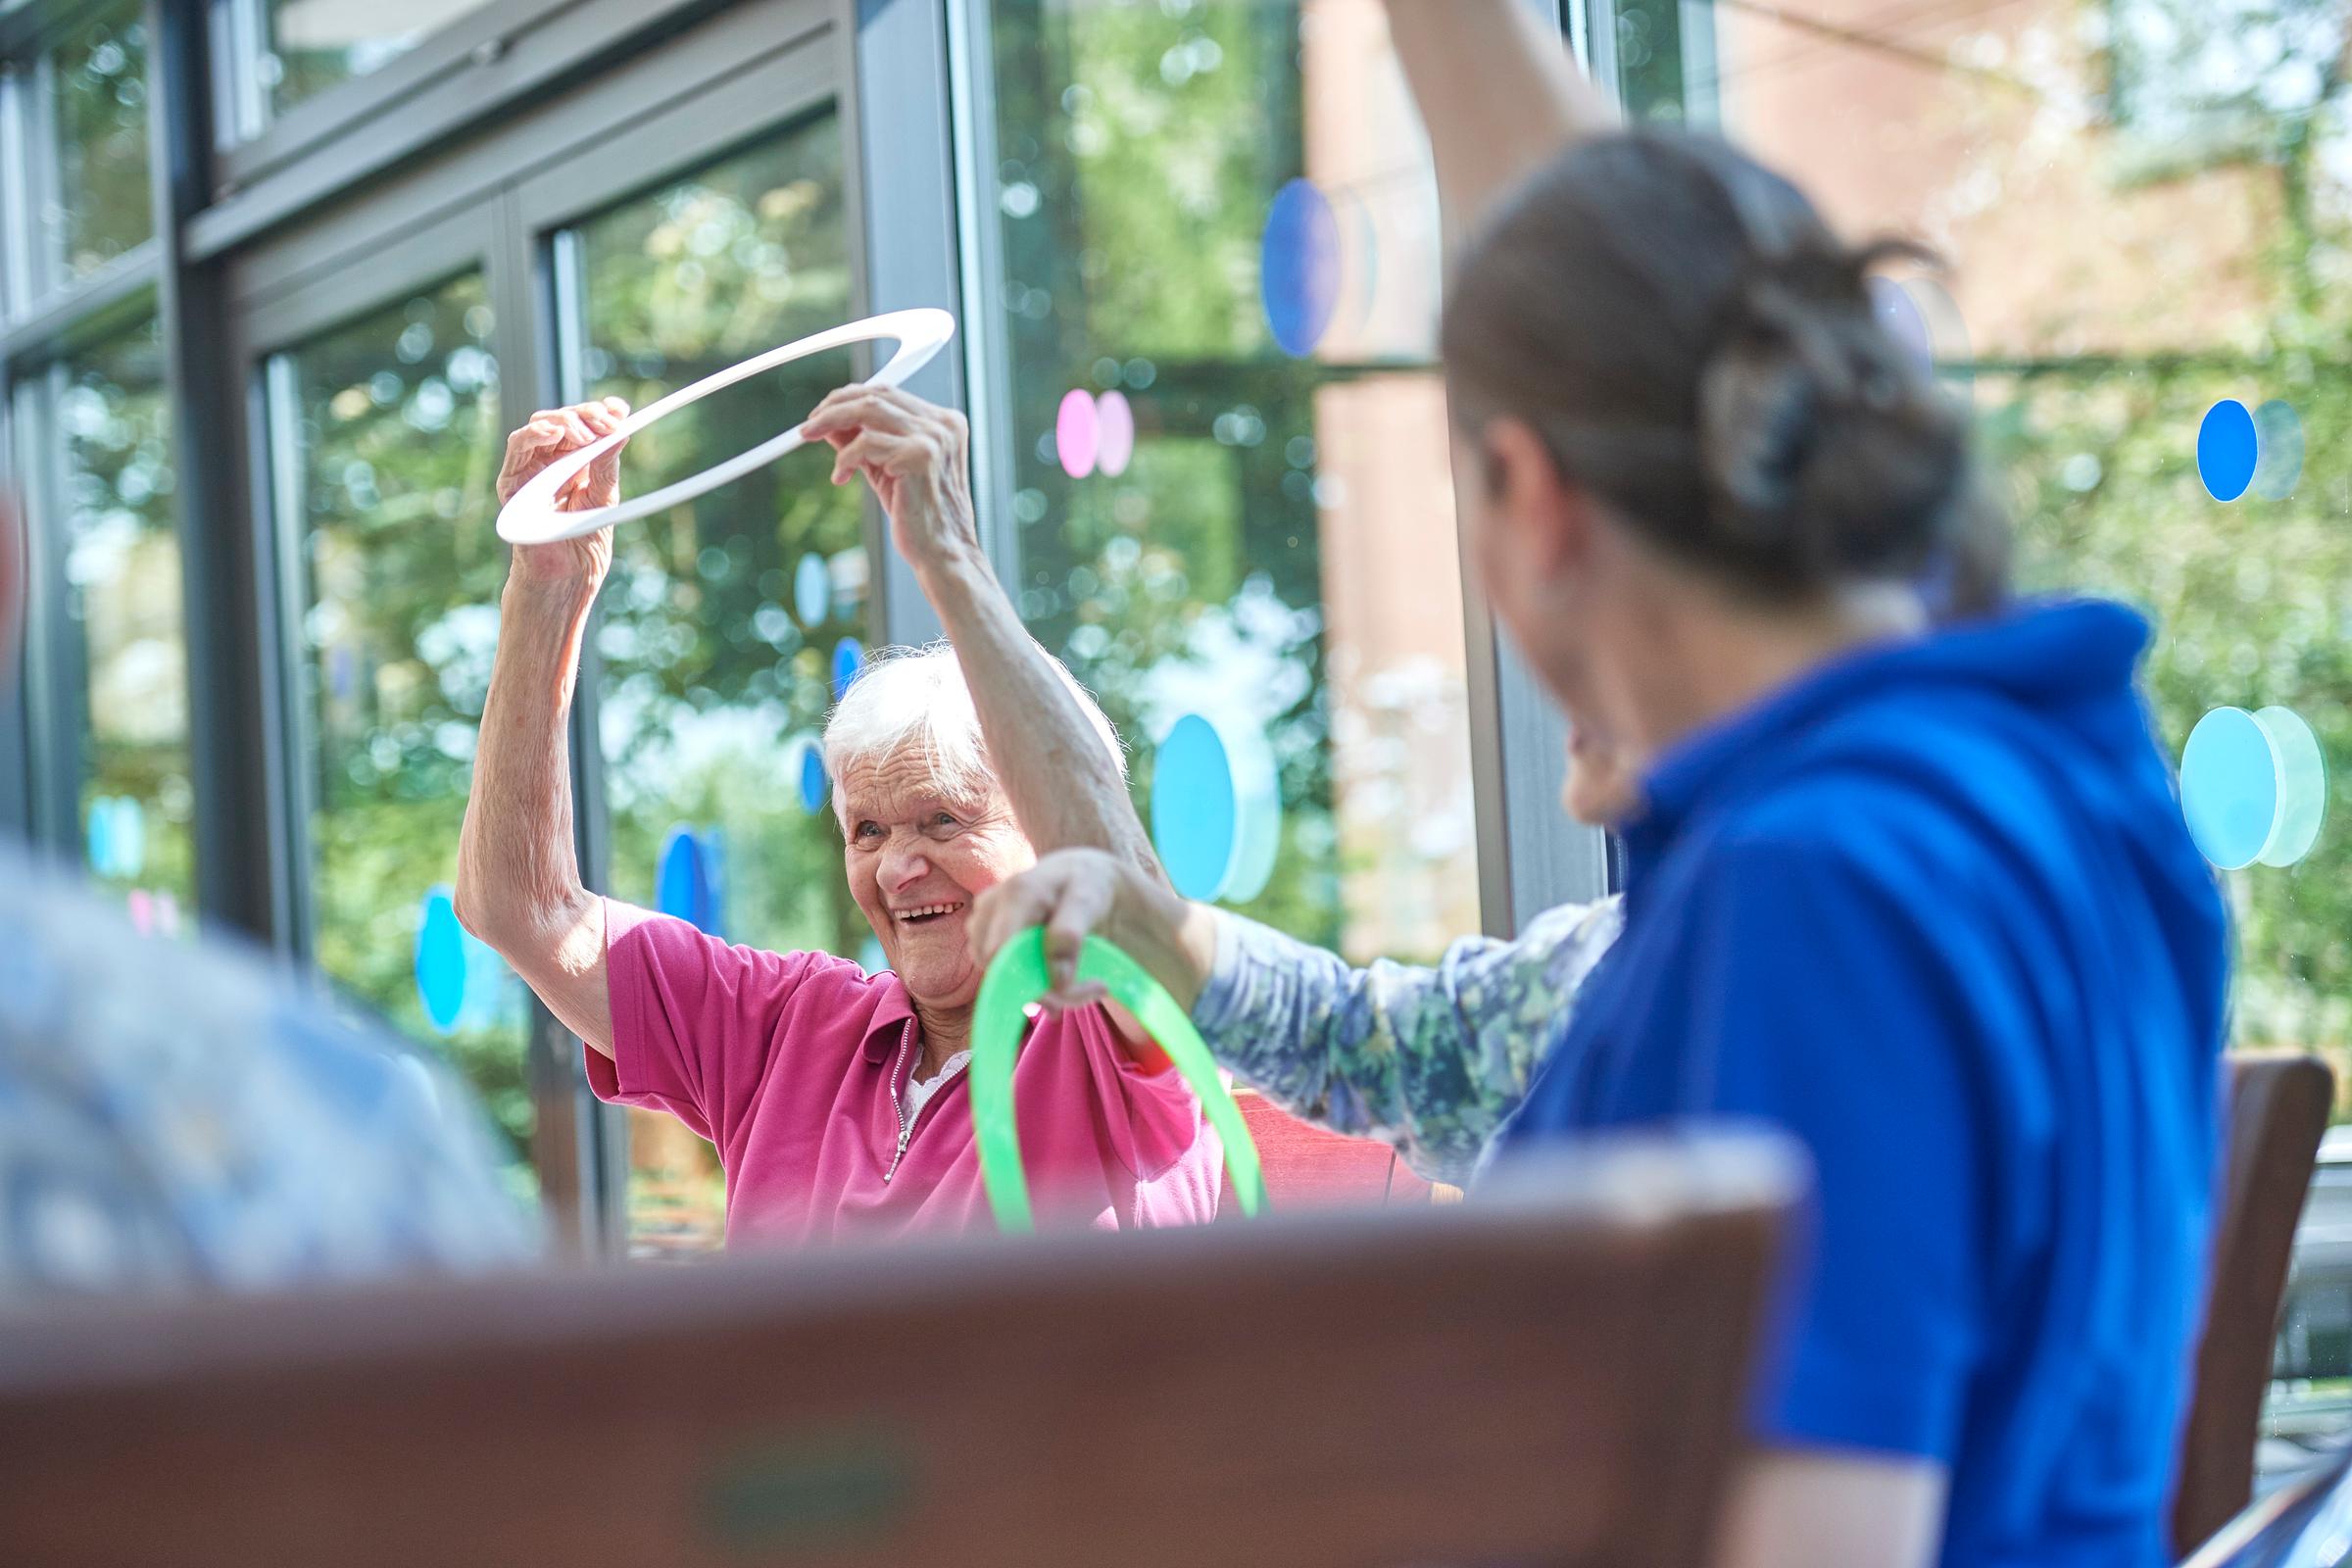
(953, 564)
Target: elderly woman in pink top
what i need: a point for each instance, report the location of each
(836, 1099)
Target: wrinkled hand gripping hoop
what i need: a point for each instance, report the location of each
(1017, 978)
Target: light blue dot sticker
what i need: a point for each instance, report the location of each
(1194, 818)
(2227, 449)
(102, 835)
(1298, 267)
(1216, 814)
(441, 963)
(2279, 444)
(849, 659)
(812, 590)
(129, 836)
(871, 958)
(2302, 787)
(2253, 787)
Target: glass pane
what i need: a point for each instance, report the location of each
(314, 44)
(722, 617)
(121, 558)
(1233, 480)
(97, 89)
(2145, 208)
(387, 452)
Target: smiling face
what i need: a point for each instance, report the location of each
(916, 857)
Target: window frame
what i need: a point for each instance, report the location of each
(1530, 856)
(496, 203)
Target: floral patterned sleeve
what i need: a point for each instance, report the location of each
(1431, 1061)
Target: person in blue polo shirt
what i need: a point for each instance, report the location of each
(1906, 874)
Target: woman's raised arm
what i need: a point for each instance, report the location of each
(1498, 92)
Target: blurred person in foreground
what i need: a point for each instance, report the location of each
(1915, 889)
(837, 1099)
(179, 1115)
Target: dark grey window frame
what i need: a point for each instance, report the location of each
(497, 201)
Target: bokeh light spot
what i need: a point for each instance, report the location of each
(1075, 435)
(2227, 449)
(2278, 450)
(1299, 268)
(848, 660)
(1114, 433)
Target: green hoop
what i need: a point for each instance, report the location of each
(1017, 979)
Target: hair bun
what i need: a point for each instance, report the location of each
(1822, 442)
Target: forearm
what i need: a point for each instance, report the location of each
(1497, 91)
(1065, 786)
(518, 877)
(1430, 1059)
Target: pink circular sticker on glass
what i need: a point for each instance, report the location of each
(1114, 433)
(1075, 435)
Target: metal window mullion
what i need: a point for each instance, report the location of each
(535, 300)
(904, 232)
(278, 523)
(51, 662)
(16, 213)
(238, 860)
(980, 244)
(16, 749)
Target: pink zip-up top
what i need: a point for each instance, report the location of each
(796, 1065)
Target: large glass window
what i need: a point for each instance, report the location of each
(92, 88)
(1231, 467)
(2146, 205)
(387, 444)
(314, 44)
(723, 620)
(122, 579)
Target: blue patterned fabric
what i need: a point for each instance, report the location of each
(1431, 1061)
(175, 1115)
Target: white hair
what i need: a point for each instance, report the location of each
(917, 697)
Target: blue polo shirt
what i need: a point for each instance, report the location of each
(1933, 909)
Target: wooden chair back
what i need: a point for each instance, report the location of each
(2278, 1107)
(1570, 1356)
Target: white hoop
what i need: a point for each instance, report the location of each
(531, 518)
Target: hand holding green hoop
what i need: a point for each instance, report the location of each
(1017, 979)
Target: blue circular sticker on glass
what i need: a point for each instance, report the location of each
(2228, 787)
(102, 835)
(129, 836)
(2226, 450)
(1194, 818)
(808, 773)
(1298, 267)
(1217, 812)
(2279, 449)
(812, 590)
(441, 963)
(849, 659)
(2302, 772)
(682, 886)
(871, 958)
